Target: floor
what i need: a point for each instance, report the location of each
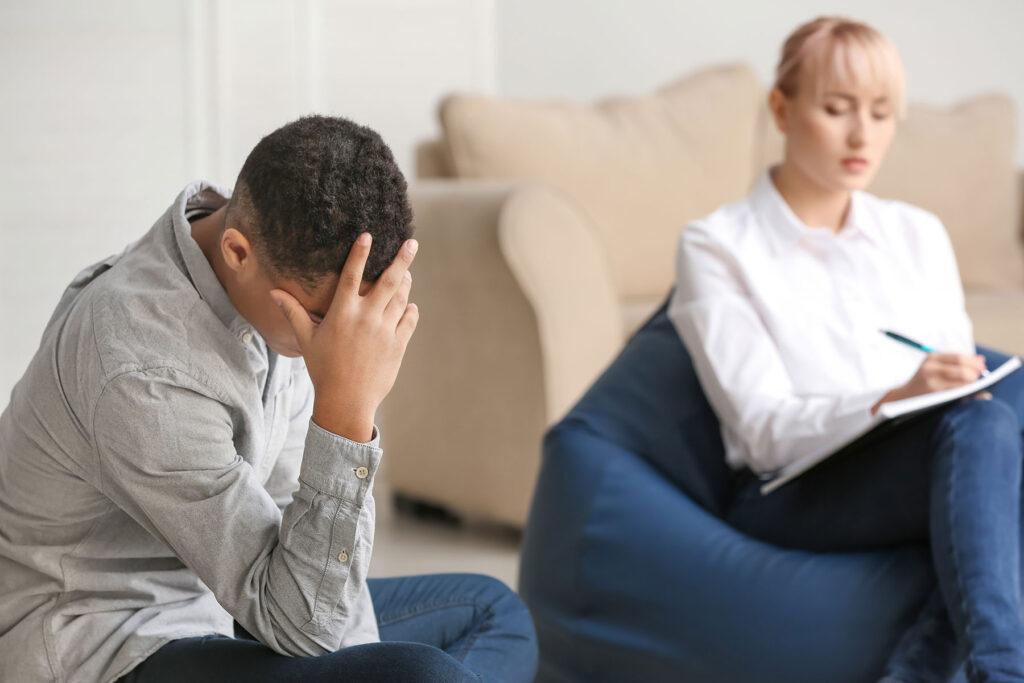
(409, 544)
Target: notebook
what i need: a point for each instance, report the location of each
(888, 416)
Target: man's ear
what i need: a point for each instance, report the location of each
(778, 103)
(237, 251)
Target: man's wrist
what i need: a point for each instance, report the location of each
(354, 425)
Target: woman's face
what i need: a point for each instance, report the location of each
(836, 138)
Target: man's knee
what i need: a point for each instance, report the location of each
(508, 615)
(493, 595)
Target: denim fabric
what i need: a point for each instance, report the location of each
(446, 628)
(951, 478)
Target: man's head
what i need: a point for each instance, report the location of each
(304, 195)
(310, 188)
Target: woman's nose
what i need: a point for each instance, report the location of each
(857, 135)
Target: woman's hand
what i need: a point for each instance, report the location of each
(938, 372)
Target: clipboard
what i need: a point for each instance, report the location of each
(889, 416)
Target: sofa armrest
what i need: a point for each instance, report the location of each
(554, 254)
(517, 318)
(462, 425)
(1020, 205)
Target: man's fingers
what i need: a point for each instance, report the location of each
(355, 264)
(407, 325)
(396, 307)
(392, 278)
(297, 316)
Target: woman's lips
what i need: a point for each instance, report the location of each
(855, 164)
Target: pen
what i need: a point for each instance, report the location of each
(910, 342)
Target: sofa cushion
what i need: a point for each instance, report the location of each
(958, 163)
(640, 167)
(635, 313)
(998, 317)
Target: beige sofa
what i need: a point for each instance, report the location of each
(548, 232)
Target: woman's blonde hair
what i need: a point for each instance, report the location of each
(838, 50)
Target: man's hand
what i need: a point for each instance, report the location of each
(354, 353)
(938, 372)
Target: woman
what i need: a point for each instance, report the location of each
(780, 299)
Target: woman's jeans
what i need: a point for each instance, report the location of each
(951, 478)
(443, 628)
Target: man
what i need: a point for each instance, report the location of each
(186, 467)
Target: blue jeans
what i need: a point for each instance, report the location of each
(950, 478)
(443, 628)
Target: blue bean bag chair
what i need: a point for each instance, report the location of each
(631, 574)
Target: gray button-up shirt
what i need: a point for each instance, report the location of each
(160, 476)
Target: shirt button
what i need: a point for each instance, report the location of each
(343, 557)
(362, 472)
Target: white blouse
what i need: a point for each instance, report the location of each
(783, 320)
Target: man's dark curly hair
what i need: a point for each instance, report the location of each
(310, 188)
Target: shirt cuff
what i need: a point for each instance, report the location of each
(340, 467)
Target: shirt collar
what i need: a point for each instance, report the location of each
(786, 229)
(204, 195)
(859, 220)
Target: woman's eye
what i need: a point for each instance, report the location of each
(881, 115)
(833, 110)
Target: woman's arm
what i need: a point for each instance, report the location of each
(740, 368)
(744, 376)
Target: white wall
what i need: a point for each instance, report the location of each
(583, 49)
(111, 106)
